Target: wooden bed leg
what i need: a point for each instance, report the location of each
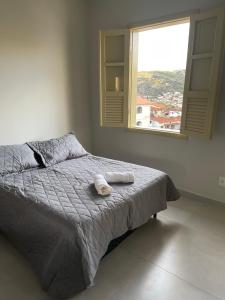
(155, 216)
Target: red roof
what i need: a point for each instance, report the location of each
(154, 105)
(164, 120)
(142, 101)
(158, 106)
(173, 109)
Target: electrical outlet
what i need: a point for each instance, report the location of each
(221, 181)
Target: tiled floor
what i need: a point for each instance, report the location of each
(180, 256)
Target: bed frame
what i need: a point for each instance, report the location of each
(114, 243)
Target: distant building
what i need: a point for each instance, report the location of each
(166, 123)
(173, 113)
(143, 113)
(157, 109)
(151, 114)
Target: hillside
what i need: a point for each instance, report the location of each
(153, 84)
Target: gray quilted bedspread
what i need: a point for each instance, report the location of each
(56, 218)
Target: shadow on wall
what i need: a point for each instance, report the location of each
(173, 168)
(77, 44)
(43, 77)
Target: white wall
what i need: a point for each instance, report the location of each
(193, 164)
(144, 116)
(43, 70)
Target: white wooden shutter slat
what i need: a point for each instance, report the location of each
(114, 59)
(203, 72)
(200, 116)
(113, 110)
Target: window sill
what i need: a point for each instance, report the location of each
(176, 135)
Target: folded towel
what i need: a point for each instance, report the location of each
(102, 187)
(125, 177)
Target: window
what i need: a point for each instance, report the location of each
(148, 84)
(139, 110)
(161, 67)
(139, 123)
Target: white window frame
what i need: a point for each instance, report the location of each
(201, 93)
(134, 30)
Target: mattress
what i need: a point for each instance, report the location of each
(58, 221)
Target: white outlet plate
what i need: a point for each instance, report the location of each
(221, 181)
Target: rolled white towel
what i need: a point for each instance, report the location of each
(102, 187)
(125, 177)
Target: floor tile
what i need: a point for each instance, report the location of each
(17, 280)
(198, 258)
(179, 256)
(154, 283)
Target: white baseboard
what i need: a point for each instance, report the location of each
(197, 197)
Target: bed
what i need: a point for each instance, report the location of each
(55, 217)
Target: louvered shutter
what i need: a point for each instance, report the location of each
(203, 74)
(114, 78)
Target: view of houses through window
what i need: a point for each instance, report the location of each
(162, 55)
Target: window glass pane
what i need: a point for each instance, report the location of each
(162, 55)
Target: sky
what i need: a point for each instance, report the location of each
(163, 48)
